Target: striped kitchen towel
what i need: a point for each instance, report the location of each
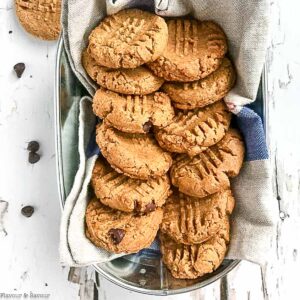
(246, 25)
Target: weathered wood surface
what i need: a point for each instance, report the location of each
(29, 247)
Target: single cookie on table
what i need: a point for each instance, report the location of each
(133, 113)
(209, 172)
(189, 220)
(192, 261)
(128, 39)
(195, 49)
(193, 131)
(117, 231)
(138, 81)
(127, 194)
(202, 92)
(135, 155)
(40, 18)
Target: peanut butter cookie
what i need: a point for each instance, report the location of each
(138, 81)
(195, 49)
(133, 113)
(127, 194)
(192, 261)
(204, 91)
(189, 220)
(192, 132)
(128, 39)
(209, 172)
(40, 18)
(135, 155)
(117, 231)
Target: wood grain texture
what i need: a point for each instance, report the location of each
(29, 247)
(283, 65)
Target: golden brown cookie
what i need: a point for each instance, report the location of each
(209, 172)
(133, 113)
(192, 261)
(189, 220)
(40, 18)
(138, 81)
(90, 65)
(135, 155)
(202, 92)
(193, 131)
(128, 39)
(195, 49)
(127, 194)
(117, 231)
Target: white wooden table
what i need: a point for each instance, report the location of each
(29, 246)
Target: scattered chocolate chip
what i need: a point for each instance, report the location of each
(46, 284)
(33, 157)
(33, 146)
(147, 126)
(27, 211)
(116, 235)
(150, 207)
(19, 69)
(30, 76)
(10, 32)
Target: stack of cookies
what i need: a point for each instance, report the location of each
(167, 147)
(130, 180)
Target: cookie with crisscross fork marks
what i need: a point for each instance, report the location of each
(128, 39)
(209, 172)
(40, 18)
(117, 231)
(192, 261)
(189, 220)
(133, 113)
(194, 50)
(138, 81)
(135, 155)
(193, 131)
(202, 92)
(127, 194)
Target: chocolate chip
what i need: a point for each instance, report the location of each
(137, 207)
(116, 235)
(33, 157)
(150, 207)
(19, 69)
(10, 32)
(147, 126)
(27, 211)
(33, 146)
